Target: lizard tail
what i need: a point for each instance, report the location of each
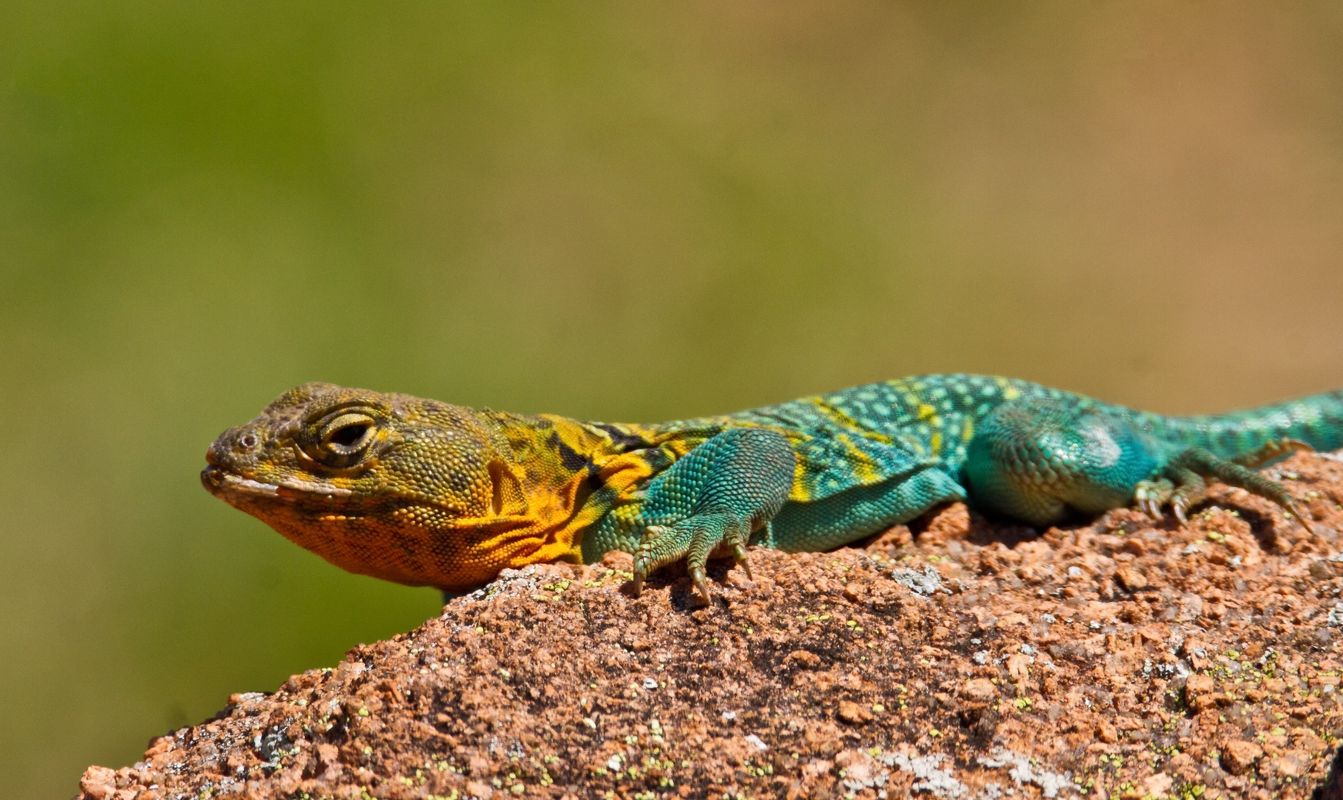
(1316, 420)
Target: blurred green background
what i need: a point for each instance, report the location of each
(607, 210)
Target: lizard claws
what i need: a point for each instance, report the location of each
(701, 583)
(1291, 508)
(739, 554)
(1150, 495)
(1179, 505)
(650, 555)
(735, 542)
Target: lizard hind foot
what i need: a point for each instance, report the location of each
(1184, 479)
(1150, 496)
(1178, 490)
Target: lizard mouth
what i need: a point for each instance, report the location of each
(225, 484)
(218, 482)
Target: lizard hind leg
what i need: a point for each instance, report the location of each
(1037, 462)
(711, 500)
(1042, 461)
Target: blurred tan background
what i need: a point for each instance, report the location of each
(604, 210)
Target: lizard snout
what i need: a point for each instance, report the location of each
(211, 478)
(234, 442)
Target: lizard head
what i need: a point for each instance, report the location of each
(398, 487)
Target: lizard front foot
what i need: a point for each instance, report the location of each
(695, 540)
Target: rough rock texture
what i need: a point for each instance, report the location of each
(959, 659)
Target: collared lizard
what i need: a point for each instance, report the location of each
(428, 493)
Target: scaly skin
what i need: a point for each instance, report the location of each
(427, 493)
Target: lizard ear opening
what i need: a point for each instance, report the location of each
(507, 498)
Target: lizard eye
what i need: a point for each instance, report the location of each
(344, 438)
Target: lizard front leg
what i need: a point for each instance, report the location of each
(710, 500)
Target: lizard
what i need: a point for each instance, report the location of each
(423, 492)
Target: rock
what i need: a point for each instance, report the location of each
(1292, 764)
(1200, 692)
(1022, 673)
(853, 713)
(1239, 756)
(98, 783)
(1157, 785)
(980, 690)
(1131, 579)
(1106, 732)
